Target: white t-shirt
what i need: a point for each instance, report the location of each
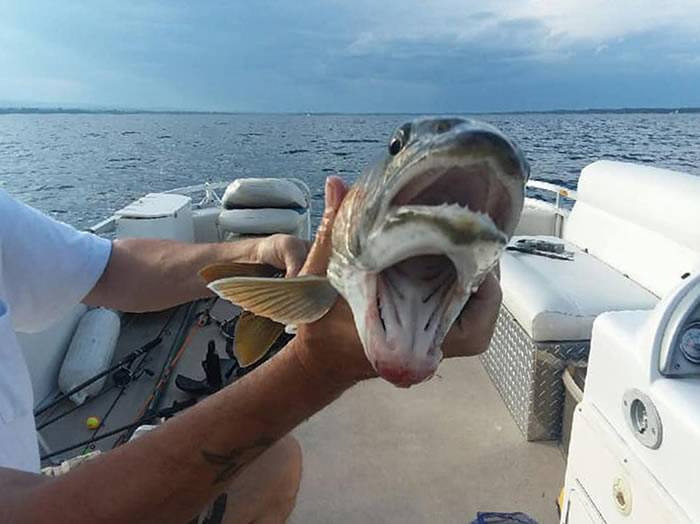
(46, 267)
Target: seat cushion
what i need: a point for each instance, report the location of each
(260, 221)
(557, 300)
(640, 220)
(264, 193)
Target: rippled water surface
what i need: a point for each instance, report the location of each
(80, 168)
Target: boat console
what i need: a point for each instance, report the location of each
(634, 454)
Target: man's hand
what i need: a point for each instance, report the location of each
(331, 348)
(283, 252)
(471, 333)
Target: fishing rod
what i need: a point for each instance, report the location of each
(143, 416)
(123, 362)
(93, 437)
(149, 409)
(182, 339)
(122, 379)
(41, 426)
(128, 359)
(163, 413)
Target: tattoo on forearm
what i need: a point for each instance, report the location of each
(231, 463)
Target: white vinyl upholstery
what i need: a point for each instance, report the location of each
(264, 193)
(265, 206)
(262, 221)
(557, 300)
(635, 232)
(643, 221)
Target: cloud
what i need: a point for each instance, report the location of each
(351, 55)
(599, 21)
(532, 24)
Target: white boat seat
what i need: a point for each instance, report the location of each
(558, 300)
(633, 235)
(265, 221)
(264, 206)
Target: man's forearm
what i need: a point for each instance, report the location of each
(152, 275)
(169, 474)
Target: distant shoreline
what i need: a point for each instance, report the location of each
(79, 111)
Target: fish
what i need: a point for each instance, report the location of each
(413, 239)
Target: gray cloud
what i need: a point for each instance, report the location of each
(340, 56)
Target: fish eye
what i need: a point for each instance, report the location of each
(395, 146)
(442, 126)
(400, 139)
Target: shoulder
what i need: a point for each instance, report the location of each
(11, 209)
(17, 219)
(7, 211)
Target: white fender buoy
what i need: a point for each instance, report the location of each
(90, 352)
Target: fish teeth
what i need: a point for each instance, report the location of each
(379, 310)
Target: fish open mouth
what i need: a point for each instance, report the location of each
(473, 186)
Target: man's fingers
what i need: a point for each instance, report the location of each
(489, 291)
(317, 261)
(293, 267)
(471, 332)
(294, 257)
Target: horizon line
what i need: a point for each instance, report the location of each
(29, 109)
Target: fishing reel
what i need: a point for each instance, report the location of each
(124, 375)
(226, 327)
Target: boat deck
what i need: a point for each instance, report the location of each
(438, 452)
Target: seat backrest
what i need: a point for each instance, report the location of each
(642, 221)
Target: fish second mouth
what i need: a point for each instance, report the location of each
(412, 297)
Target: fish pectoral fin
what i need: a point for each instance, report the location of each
(218, 271)
(254, 337)
(297, 300)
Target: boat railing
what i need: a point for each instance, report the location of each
(560, 192)
(209, 189)
(210, 197)
(562, 201)
(106, 226)
(209, 192)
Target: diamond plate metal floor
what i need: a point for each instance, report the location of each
(436, 453)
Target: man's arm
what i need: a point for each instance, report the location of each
(170, 473)
(152, 275)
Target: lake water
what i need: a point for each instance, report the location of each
(80, 168)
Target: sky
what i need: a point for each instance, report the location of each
(351, 56)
